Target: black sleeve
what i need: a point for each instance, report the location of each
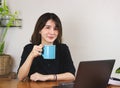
(66, 60)
(27, 49)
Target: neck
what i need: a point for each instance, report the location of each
(46, 43)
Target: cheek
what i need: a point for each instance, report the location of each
(42, 32)
(56, 33)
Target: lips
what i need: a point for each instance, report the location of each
(51, 37)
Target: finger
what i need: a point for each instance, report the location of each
(40, 53)
(38, 49)
(32, 77)
(41, 45)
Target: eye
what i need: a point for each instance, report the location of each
(47, 27)
(56, 28)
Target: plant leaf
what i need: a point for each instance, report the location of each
(2, 44)
(118, 70)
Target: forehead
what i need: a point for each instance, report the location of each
(50, 22)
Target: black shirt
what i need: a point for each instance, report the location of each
(61, 64)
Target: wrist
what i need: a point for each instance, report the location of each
(52, 77)
(55, 77)
(31, 55)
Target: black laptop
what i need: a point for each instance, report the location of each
(91, 74)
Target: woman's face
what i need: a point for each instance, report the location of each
(49, 32)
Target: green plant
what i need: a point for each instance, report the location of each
(5, 12)
(118, 70)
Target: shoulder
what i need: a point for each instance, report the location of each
(62, 45)
(28, 46)
(27, 49)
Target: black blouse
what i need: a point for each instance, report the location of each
(61, 64)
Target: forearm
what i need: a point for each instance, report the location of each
(64, 76)
(52, 77)
(25, 68)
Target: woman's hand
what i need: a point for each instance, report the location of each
(39, 77)
(37, 50)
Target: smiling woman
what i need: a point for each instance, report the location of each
(48, 31)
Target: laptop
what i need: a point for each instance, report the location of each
(91, 74)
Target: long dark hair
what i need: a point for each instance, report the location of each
(36, 37)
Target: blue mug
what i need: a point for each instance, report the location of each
(49, 51)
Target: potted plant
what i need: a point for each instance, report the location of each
(6, 21)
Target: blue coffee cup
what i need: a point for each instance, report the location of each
(49, 51)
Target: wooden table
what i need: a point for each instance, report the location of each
(113, 86)
(14, 83)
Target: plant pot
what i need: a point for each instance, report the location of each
(5, 20)
(5, 64)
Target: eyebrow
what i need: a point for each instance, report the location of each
(50, 25)
(47, 25)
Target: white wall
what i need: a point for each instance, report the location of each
(91, 28)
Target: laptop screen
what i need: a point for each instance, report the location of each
(93, 74)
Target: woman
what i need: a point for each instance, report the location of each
(48, 31)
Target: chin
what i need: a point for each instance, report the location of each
(50, 42)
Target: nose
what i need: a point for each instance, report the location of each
(52, 31)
